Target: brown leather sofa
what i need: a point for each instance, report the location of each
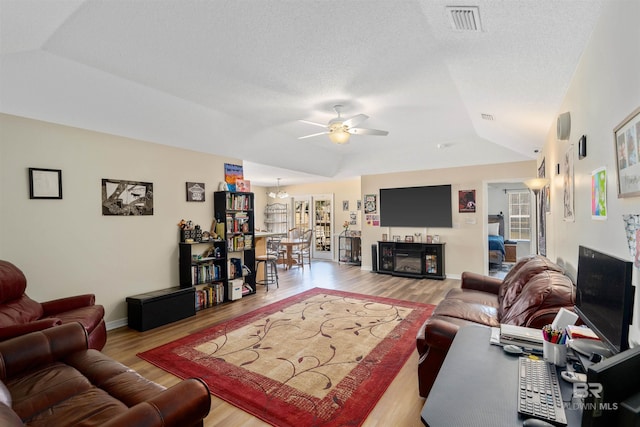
(52, 378)
(530, 295)
(19, 314)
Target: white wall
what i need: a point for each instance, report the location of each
(67, 247)
(604, 90)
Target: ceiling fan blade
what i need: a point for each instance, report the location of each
(362, 131)
(313, 123)
(355, 120)
(313, 134)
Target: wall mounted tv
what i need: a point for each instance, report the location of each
(428, 206)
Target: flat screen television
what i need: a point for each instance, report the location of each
(604, 299)
(427, 206)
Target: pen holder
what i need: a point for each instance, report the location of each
(554, 353)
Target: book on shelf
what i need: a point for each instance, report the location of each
(238, 202)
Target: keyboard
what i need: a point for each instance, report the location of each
(539, 391)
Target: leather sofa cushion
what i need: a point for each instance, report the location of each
(518, 277)
(547, 289)
(20, 310)
(469, 311)
(89, 316)
(473, 296)
(14, 284)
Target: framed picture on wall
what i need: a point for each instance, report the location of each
(627, 145)
(45, 183)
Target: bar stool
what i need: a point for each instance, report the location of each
(270, 264)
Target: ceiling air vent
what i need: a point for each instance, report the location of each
(464, 18)
(486, 116)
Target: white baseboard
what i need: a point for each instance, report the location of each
(114, 324)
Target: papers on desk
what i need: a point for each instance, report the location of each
(527, 338)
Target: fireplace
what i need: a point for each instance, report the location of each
(408, 262)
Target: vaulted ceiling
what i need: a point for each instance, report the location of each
(235, 77)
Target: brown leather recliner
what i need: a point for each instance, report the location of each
(19, 314)
(530, 295)
(52, 378)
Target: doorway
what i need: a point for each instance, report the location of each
(315, 213)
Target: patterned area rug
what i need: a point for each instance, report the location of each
(320, 358)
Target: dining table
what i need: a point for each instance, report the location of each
(289, 244)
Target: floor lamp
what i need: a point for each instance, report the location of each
(536, 185)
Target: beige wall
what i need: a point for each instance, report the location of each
(67, 246)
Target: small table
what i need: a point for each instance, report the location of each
(510, 249)
(290, 243)
(477, 386)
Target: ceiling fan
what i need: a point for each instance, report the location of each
(339, 129)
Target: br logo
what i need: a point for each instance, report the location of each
(584, 390)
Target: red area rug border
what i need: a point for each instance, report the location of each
(353, 411)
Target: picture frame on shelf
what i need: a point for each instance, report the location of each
(45, 183)
(408, 238)
(396, 238)
(626, 140)
(429, 238)
(384, 237)
(435, 238)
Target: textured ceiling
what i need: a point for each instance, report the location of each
(235, 77)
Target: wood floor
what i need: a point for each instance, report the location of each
(399, 406)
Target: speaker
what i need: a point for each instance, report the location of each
(582, 147)
(564, 126)
(374, 258)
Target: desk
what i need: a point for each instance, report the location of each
(289, 244)
(477, 385)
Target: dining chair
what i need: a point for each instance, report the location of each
(304, 249)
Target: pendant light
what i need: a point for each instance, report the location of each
(279, 194)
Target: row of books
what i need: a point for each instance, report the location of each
(239, 243)
(209, 296)
(238, 223)
(238, 202)
(205, 273)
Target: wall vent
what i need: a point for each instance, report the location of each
(464, 18)
(486, 116)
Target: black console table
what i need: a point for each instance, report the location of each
(477, 385)
(407, 259)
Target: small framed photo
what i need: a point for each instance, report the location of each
(45, 183)
(384, 237)
(396, 238)
(408, 238)
(627, 140)
(435, 238)
(429, 238)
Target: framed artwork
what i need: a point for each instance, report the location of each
(45, 183)
(345, 205)
(195, 192)
(396, 238)
(370, 203)
(231, 174)
(408, 239)
(359, 205)
(627, 145)
(384, 237)
(467, 201)
(599, 194)
(568, 186)
(127, 198)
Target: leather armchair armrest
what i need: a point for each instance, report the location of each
(184, 404)
(53, 307)
(479, 282)
(543, 317)
(26, 351)
(12, 331)
(440, 333)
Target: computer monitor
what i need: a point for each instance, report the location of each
(604, 299)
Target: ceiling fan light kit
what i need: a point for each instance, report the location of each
(339, 131)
